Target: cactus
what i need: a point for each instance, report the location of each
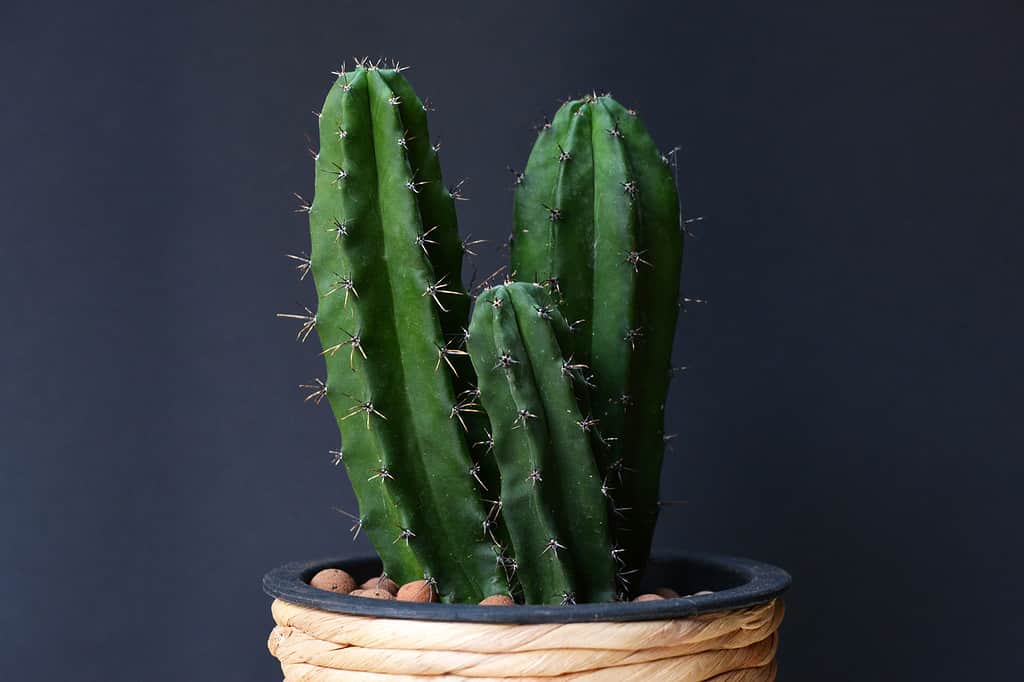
(542, 482)
(597, 220)
(551, 490)
(386, 260)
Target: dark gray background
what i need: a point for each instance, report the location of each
(853, 406)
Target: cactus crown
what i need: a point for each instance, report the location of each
(515, 451)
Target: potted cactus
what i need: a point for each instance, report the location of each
(510, 454)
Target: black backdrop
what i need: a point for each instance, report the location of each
(852, 407)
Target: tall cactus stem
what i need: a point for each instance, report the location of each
(597, 220)
(383, 233)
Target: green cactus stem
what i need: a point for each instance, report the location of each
(551, 491)
(597, 220)
(386, 259)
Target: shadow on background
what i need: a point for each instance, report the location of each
(851, 407)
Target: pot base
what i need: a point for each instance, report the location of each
(315, 646)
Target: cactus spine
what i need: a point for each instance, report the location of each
(550, 486)
(386, 260)
(597, 220)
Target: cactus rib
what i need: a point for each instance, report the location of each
(440, 241)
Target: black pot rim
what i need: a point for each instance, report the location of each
(751, 583)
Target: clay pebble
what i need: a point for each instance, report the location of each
(381, 583)
(372, 594)
(333, 580)
(417, 591)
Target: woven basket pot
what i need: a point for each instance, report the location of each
(730, 635)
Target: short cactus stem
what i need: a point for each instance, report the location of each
(550, 485)
(597, 221)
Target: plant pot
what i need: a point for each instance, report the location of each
(730, 635)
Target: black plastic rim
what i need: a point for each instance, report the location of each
(736, 583)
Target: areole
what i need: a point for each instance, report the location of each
(728, 635)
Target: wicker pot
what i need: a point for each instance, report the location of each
(730, 635)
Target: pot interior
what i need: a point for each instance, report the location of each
(734, 583)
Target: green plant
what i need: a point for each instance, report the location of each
(501, 488)
(597, 221)
(386, 260)
(550, 486)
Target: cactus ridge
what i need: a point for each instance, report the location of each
(386, 260)
(551, 488)
(597, 218)
(440, 241)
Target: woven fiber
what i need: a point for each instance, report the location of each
(319, 646)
